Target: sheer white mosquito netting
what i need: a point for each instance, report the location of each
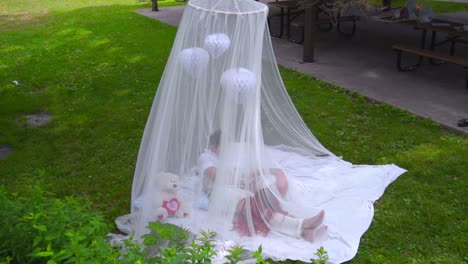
(224, 148)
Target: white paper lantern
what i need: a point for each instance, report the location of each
(217, 44)
(239, 81)
(194, 61)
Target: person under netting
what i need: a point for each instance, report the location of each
(261, 212)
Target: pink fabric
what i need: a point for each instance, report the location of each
(240, 223)
(171, 206)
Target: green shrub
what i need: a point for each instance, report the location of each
(170, 244)
(39, 229)
(42, 229)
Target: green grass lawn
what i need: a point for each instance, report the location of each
(95, 66)
(438, 6)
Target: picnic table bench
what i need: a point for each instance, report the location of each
(428, 54)
(454, 34)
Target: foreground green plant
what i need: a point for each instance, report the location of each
(322, 256)
(39, 228)
(169, 244)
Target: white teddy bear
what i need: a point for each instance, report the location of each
(169, 201)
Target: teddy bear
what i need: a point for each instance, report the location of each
(168, 199)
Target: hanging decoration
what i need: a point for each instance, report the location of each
(194, 61)
(217, 44)
(240, 81)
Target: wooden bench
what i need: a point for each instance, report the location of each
(427, 54)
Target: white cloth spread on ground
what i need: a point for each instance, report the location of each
(346, 192)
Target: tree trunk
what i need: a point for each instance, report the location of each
(154, 5)
(310, 29)
(387, 4)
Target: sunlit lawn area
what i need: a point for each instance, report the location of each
(95, 67)
(437, 6)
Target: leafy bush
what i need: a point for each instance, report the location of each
(38, 228)
(41, 229)
(169, 244)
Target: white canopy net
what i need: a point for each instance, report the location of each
(224, 148)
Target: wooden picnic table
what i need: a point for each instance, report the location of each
(310, 29)
(310, 25)
(454, 31)
(289, 5)
(440, 24)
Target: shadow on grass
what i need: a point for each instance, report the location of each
(12, 22)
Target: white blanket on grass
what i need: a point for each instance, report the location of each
(346, 192)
